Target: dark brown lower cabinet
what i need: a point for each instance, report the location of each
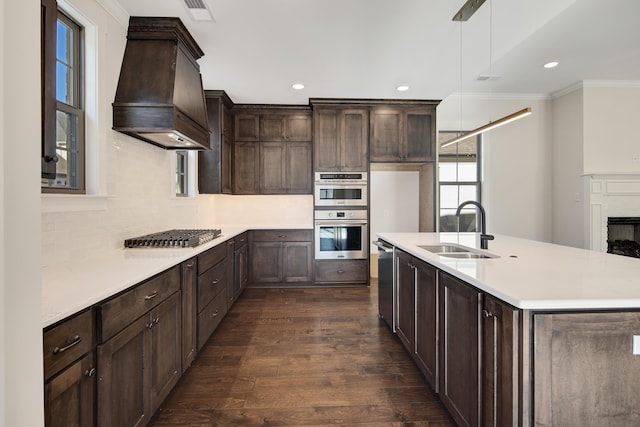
(406, 318)
(460, 350)
(70, 396)
(281, 257)
(344, 271)
(585, 372)
(500, 349)
(139, 366)
(189, 312)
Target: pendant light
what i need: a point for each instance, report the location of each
(464, 14)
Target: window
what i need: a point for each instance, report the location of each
(63, 159)
(459, 180)
(182, 173)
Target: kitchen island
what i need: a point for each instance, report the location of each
(533, 334)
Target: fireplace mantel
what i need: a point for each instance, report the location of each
(608, 195)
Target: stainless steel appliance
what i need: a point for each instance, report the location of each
(341, 234)
(340, 189)
(386, 292)
(173, 239)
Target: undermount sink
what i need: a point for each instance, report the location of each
(443, 248)
(455, 251)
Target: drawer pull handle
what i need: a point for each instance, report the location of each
(340, 271)
(282, 236)
(76, 340)
(216, 313)
(215, 281)
(151, 296)
(191, 264)
(90, 372)
(487, 313)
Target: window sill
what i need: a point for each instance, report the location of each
(52, 203)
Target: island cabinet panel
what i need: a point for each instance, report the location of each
(417, 325)
(460, 349)
(403, 133)
(280, 257)
(500, 363)
(340, 139)
(585, 372)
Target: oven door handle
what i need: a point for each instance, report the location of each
(340, 222)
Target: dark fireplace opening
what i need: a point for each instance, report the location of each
(623, 236)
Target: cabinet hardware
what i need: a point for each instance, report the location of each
(49, 159)
(340, 271)
(215, 281)
(282, 236)
(75, 341)
(90, 372)
(487, 313)
(216, 313)
(191, 264)
(152, 296)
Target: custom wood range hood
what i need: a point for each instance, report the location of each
(160, 98)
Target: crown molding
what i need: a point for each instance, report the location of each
(115, 9)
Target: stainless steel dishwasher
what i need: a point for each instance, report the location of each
(386, 293)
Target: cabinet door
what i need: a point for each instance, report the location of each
(70, 396)
(166, 345)
(266, 262)
(427, 321)
(226, 150)
(499, 363)
(418, 135)
(247, 127)
(241, 273)
(586, 369)
(460, 349)
(385, 135)
(246, 167)
(297, 261)
(272, 127)
(272, 168)
(354, 141)
(124, 377)
(325, 140)
(406, 272)
(299, 177)
(298, 127)
(189, 312)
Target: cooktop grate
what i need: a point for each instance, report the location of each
(173, 239)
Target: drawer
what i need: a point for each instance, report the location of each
(119, 312)
(67, 342)
(343, 271)
(240, 240)
(211, 283)
(282, 235)
(208, 259)
(210, 318)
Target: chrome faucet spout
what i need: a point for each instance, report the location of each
(484, 237)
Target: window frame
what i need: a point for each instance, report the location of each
(457, 158)
(182, 173)
(51, 14)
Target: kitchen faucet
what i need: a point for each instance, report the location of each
(484, 237)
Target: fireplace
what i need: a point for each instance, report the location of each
(623, 236)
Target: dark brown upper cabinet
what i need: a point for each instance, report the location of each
(215, 165)
(403, 133)
(159, 98)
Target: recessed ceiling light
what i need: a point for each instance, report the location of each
(402, 88)
(551, 64)
(298, 86)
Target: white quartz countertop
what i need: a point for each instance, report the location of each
(68, 289)
(534, 275)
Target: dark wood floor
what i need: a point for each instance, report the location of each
(303, 357)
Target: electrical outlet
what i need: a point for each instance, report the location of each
(636, 345)
(636, 157)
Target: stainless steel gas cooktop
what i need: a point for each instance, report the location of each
(173, 239)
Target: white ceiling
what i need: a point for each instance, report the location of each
(255, 49)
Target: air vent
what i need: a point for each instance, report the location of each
(488, 78)
(198, 10)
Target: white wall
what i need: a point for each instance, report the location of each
(394, 204)
(516, 185)
(21, 390)
(611, 141)
(567, 159)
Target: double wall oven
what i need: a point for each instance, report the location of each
(341, 224)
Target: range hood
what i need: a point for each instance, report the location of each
(159, 98)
